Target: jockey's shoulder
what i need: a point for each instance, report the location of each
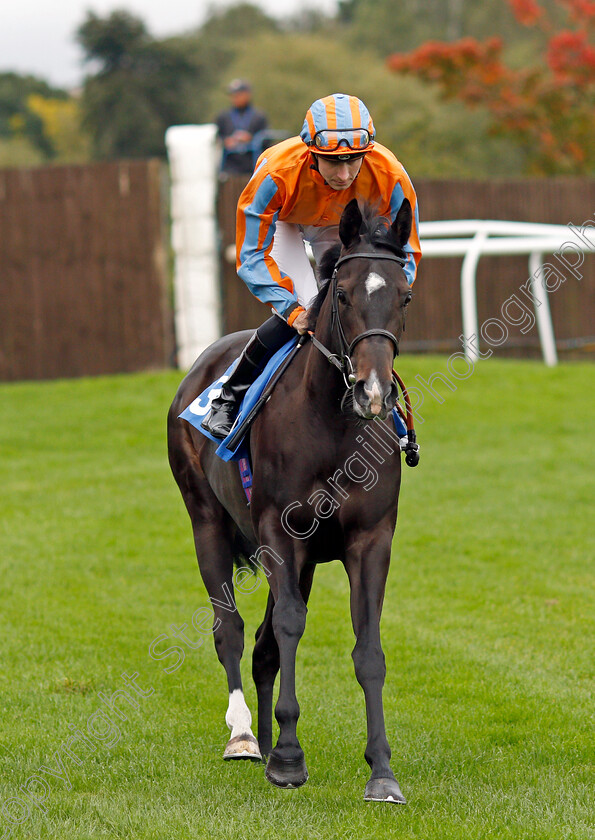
(284, 155)
(382, 157)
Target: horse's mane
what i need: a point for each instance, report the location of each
(377, 231)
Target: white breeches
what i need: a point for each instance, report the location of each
(289, 253)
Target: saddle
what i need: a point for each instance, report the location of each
(234, 446)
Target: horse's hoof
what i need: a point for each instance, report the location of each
(384, 790)
(286, 773)
(242, 746)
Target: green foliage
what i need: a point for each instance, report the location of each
(292, 67)
(290, 70)
(38, 124)
(61, 120)
(388, 27)
(139, 85)
(215, 46)
(141, 88)
(235, 23)
(17, 121)
(385, 26)
(112, 41)
(17, 152)
(545, 110)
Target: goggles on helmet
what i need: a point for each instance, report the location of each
(346, 140)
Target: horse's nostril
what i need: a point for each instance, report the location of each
(360, 394)
(391, 397)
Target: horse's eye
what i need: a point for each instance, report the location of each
(341, 296)
(407, 300)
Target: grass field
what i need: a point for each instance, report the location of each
(488, 628)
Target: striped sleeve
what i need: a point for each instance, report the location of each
(258, 211)
(404, 189)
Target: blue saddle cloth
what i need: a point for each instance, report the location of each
(200, 407)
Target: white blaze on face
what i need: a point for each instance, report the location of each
(374, 282)
(238, 716)
(373, 390)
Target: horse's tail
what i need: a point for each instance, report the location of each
(244, 551)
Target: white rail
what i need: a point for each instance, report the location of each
(471, 239)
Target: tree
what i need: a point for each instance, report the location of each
(225, 34)
(18, 152)
(19, 124)
(236, 23)
(141, 87)
(430, 137)
(61, 120)
(386, 26)
(547, 110)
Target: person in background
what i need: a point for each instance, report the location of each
(236, 129)
(297, 193)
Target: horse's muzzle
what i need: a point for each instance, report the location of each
(372, 399)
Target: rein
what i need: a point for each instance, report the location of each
(343, 361)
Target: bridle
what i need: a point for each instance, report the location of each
(342, 360)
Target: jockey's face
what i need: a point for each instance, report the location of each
(339, 174)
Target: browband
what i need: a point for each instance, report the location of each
(369, 256)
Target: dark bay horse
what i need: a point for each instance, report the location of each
(326, 473)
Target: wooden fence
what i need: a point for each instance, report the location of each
(83, 280)
(434, 322)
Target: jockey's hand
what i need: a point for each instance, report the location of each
(301, 323)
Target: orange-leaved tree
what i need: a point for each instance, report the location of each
(548, 109)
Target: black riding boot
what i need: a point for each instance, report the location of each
(267, 339)
(225, 407)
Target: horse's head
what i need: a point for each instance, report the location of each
(367, 299)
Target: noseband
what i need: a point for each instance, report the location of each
(342, 360)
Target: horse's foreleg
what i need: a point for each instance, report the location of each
(367, 562)
(286, 766)
(265, 664)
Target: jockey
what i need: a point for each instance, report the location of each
(297, 194)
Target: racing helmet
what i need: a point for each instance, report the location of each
(338, 125)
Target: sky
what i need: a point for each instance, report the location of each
(37, 36)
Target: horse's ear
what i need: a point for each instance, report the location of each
(401, 226)
(350, 223)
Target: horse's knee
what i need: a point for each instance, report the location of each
(265, 663)
(369, 663)
(229, 636)
(289, 619)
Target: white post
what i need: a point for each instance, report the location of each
(193, 159)
(469, 296)
(542, 310)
